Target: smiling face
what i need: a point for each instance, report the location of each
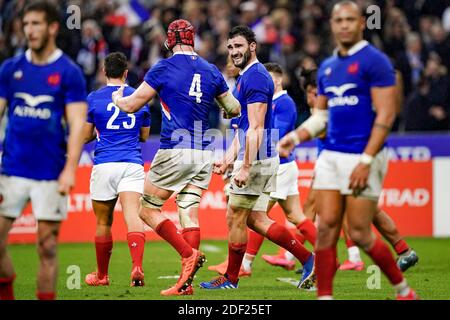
(347, 24)
(240, 51)
(37, 31)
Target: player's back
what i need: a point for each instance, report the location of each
(284, 118)
(187, 85)
(35, 139)
(117, 132)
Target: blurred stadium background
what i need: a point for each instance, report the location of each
(415, 34)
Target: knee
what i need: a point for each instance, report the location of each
(237, 221)
(359, 236)
(47, 248)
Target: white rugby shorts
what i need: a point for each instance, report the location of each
(47, 203)
(109, 179)
(333, 170)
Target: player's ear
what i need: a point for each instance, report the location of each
(53, 28)
(253, 46)
(125, 75)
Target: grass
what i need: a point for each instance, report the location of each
(430, 277)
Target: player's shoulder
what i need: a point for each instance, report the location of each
(257, 73)
(10, 63)
(327, 63)
(68, 63)
(372, 53)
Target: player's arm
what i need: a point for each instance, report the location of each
(311, 128)
(385, 102)
(3, 103)
(144, 133)
(256, 113)
(134, 102)
(229, 104)
(220, 166)
(76, 117)
(89, 133)
(399, 85)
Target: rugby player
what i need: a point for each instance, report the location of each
(187, 86)
(356, 104)
(254, 172)
(118, 170)
(46, 97)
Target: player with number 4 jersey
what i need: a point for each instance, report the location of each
(187, 86)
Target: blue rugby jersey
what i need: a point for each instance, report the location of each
(117, 131)
(346, 82)
(37, 95)
(187, 86)
(255, 85)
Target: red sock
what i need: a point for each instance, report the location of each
(192, 236)
(349, 243)
(382, 256)
(325, 271)
(309, 231)
(6, 288)
(46, 295)
(255, 241)
(300, 237)
(136, 243)
(103, 250)
(236, 253)
(282, 237)
(169, 232)
(401, 247)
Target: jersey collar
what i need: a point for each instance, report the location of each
(52, 58)
(356, 47)
(248, 67)
(116, 85)
(279, 94)
(187, 53)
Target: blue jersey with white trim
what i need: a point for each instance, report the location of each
(117, 131)
(284, 118)
(37, 95)
(255, 85)
(346, 81)
(187, 86)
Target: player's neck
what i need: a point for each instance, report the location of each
(181, 48)
(42, 56)
(114, 82)
(344, 50)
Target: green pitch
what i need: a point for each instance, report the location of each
(430, 277)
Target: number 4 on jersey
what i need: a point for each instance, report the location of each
(195, 89)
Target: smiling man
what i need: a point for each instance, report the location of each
(254, 172)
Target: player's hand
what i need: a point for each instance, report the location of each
(117, 94)
(285, 146)
(219, 166)
(359, 178)
(66, 181)
(242, 177)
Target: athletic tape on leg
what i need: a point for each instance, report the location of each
(151, 201)
(187, 199)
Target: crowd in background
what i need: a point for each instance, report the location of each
(415, 34)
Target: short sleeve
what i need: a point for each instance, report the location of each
(221, 84)
(75, 86)
(91, 109)
(146, 122)
(4, 79)
(257, 89)
(155, 76)
(381, 73)
(320, 87)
